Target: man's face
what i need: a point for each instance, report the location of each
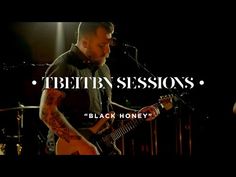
(98, 46)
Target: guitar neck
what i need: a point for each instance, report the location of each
(126, 128)
(132, 124)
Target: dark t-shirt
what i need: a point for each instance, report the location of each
(86, 97)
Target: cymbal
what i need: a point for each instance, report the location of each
(14, 136)
(19, 108)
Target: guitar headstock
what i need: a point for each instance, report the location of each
(166, 102)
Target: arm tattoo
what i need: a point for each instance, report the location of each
(53, 97)
(55, 119)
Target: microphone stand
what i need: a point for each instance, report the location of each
(177, 112)
(135, 59)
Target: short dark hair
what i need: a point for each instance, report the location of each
(91, 28)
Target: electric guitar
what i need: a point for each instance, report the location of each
(105, 141)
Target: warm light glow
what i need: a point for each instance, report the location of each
(60, 41)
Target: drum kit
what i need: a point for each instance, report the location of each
(7, 139)
(13, 129)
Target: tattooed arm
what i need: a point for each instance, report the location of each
(56, 121)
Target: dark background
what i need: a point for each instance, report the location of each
(186, 44)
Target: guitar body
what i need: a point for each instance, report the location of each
(104, 146)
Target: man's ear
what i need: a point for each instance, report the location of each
(85, 43)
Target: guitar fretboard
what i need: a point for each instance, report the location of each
(133, 123)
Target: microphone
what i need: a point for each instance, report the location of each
(129, 46)
(135, 52)
(115, 42)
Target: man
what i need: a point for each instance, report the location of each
(65, 109)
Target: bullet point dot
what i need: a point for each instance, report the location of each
(34, 82)
(201, 82)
